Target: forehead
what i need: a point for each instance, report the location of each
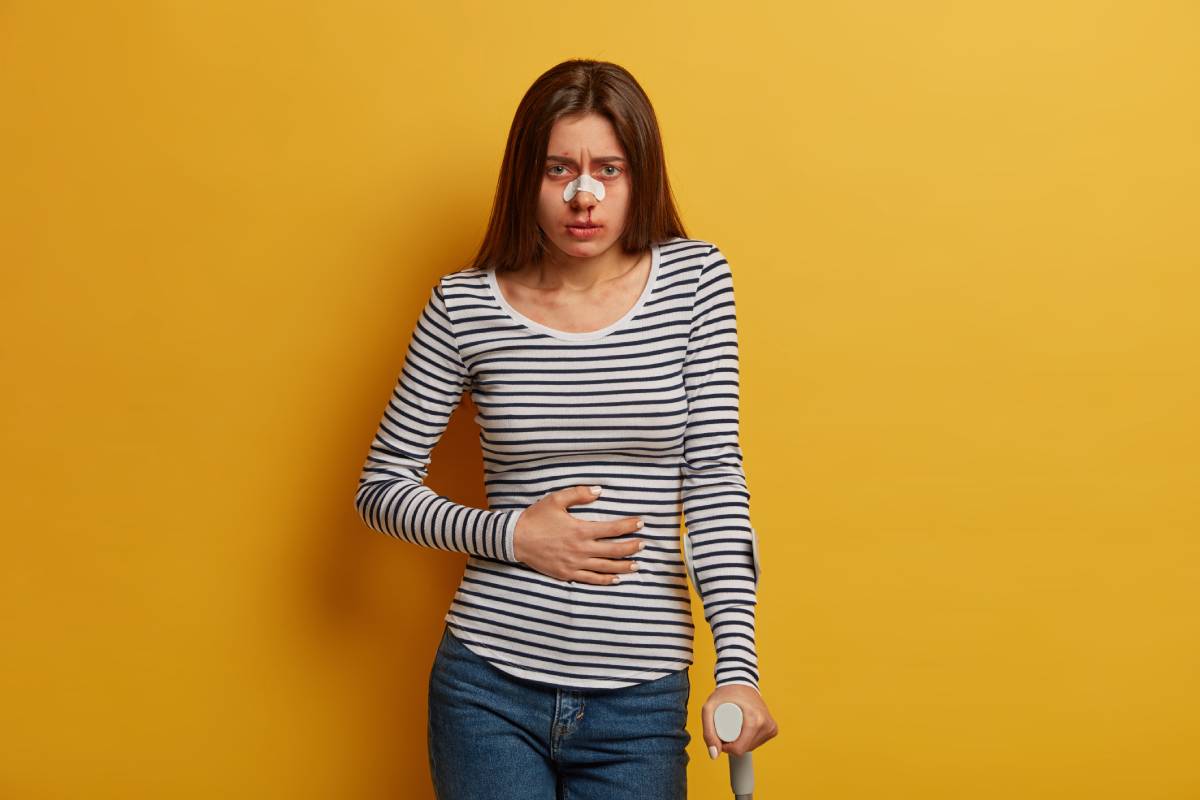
(588, 134)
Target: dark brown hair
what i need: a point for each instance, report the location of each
(578, 86)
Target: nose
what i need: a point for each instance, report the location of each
(583, 199)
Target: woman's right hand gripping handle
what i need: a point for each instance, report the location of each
(556, 543)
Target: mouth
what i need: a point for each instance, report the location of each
(585, 231)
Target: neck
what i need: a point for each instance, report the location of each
(559, 269)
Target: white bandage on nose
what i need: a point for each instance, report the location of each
(586, 183)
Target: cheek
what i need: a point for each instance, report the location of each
(550, 200)
(616, 200)
(618, 191)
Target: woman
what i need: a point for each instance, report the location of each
(599, 344)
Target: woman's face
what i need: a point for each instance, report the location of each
(584, 144)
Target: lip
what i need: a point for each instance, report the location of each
(584, 231)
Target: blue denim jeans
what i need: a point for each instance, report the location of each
(494, 736)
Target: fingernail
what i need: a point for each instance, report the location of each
(616, 578)
(595, 489)
(642, 546)
(641, 524)
(712, 751)
(635, 565)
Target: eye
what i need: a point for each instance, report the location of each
(615, 170)
(556, 166)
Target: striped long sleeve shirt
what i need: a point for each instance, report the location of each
(647, 407)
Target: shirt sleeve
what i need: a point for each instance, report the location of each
(716, 500)
(392, 497)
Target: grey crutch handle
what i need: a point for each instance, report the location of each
(728, 721)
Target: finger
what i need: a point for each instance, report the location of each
(617, 565)
(631, 548)
(599, 530)
(598, 578)
(627, 525)
(621, 549)
(711, 740)
(574, 495)
(747, 740)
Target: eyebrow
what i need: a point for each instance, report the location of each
(571, 161)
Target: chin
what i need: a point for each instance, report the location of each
(578, 247)
(583, 244)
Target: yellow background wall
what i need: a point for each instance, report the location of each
(964, 237)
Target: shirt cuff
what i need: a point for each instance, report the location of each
(510, 536)
(740, 683)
